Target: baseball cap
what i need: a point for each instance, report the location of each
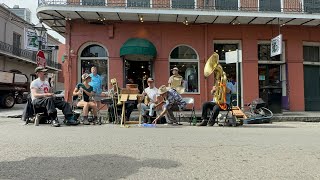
(40, 69)
(150, 80)
(175, 68)
(85, 76)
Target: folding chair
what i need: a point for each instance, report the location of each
(189, 107)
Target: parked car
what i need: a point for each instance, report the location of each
(59, 94)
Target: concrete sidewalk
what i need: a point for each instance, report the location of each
(304, 116)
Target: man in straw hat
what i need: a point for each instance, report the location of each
(172, 102)
(41, 97)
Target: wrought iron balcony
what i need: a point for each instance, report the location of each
(294, 6)
(23, 53)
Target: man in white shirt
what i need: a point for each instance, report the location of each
(41, 97)
(151, 92)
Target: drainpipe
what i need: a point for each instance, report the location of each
(205, 57)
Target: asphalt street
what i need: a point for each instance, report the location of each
(283, 150)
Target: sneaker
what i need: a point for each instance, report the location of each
(55, 123)
(86, 122)
(203, 123)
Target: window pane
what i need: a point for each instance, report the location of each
(264, 53)
(93, 2)
(270, 5)
(312, 6)
(221, 49)
(94, 51)
(138, 3)
(185, 4)
(226, 5)
(311, 53)
(189, 72)
(102, 69)
(183, 52)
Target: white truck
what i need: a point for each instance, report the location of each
(12, 86)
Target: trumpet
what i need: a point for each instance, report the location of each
(114, 83)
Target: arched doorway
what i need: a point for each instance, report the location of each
(94, 55)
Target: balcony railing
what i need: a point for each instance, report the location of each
(31, 55)
(293, 6)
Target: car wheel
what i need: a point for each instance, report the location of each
(7, 101)
(19, 99)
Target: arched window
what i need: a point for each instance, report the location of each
(94, 55)
(186, 59)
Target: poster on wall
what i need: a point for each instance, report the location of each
(276, 45)
(31, 39)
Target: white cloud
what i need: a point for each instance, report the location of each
(32, 5)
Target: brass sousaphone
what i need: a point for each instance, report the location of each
(213, 66)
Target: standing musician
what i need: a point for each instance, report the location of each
(212, 105)
(174, 77)
(151, 94)
(172, 102)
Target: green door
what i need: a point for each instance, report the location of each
(312, 88)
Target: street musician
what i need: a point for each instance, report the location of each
(150, 96)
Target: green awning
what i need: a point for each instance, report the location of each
(138, 49)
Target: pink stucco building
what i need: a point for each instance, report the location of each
(128, 39)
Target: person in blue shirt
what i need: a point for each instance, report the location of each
(212, 105)
(96, 83)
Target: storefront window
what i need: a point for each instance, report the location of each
(138, 3)
(187, 61)
(221, 49)
(311, 53)
(185, 4)
(264, 53)
(95, 55)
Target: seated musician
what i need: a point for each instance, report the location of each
(129, 106)
(212, 105)
(151, 92)
(85, 92)
(41, 97)
(172, 101)
(176, 76)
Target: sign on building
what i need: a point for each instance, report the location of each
(233, 56)
(31, 39)
(276, 46)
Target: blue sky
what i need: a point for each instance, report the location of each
(32, 5)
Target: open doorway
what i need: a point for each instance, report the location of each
(135, 71)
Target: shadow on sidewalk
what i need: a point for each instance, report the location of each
(108, 166)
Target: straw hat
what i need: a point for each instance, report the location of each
(163, 89)
(175, 68)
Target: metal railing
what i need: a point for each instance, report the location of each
(294, 6)
(31, 55)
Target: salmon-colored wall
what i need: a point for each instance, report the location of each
(61, 52)
(249, 5)
(166, 36)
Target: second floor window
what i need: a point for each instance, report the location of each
(226, 5)
(185, 4)
(270, 5)
(138, 3)
(93, 2)
(312, 6)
